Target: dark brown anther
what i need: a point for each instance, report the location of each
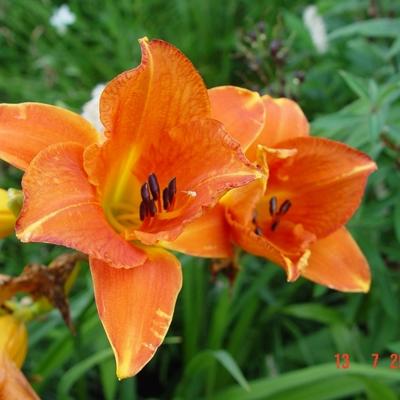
(172, 189)
(284, 208)
(273, 204)
(165, 197)
(154, 186)
(143, 210)
(152, 208)
(145, 192)
(258, 231)
(274, 225)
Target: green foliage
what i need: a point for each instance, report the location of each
(262, 338)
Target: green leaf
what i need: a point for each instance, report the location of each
(320, 382)
(230, 365)
(376, 390)
(78, 371)
(378, 28)
(356, 84)
(396, 220)
(203, 360)
(314, 312)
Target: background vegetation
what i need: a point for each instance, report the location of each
(262, 338)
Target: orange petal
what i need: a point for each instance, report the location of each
(248, 240)
(138, 108)
(284, 120)
(27, 128)
(324, 181)
(206, 162)
(136, 306)
(207, 236)
(241, 202)
(61, 207)
(240, 110)
(7, 218)
(164, 91)
(13, 384)
(337, 262)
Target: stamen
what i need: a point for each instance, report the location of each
(143, 210)
(154, 186)
(172, 189)
(258, 231)
(144, 191)
(274, 225)
(165, 196)
(284, 208)
(152, 208)
(273, 204)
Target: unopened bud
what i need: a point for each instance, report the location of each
(15, 200)
(7, 217)
(13, 338)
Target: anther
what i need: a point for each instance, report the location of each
(258, 231)
(273, 204)
(284, 208)
(152, 208)
(154, 186)
(171, 189)
(274, 225)
(144, 191)
(143, 210)
(165, 196)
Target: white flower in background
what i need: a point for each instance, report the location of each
(316, 27)
(90, 110)
(61, 18)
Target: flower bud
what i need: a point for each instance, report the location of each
(15, 200)
(7, 218)
(13, 338)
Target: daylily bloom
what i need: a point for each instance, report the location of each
(296, 216)
(13, 347)
(163, 161)
(7, 218)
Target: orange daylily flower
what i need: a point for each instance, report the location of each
(164, 160)
(295, 216)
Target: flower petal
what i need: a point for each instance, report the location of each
(163, 92)
(284, 120)
(337, 262)
(13, 384)
(324, 182)
(240, 110)
(61, 207)
(27, 128)
(7, 218)
(206, 236)
(245, 237)
(136, 306)
(206, 162)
